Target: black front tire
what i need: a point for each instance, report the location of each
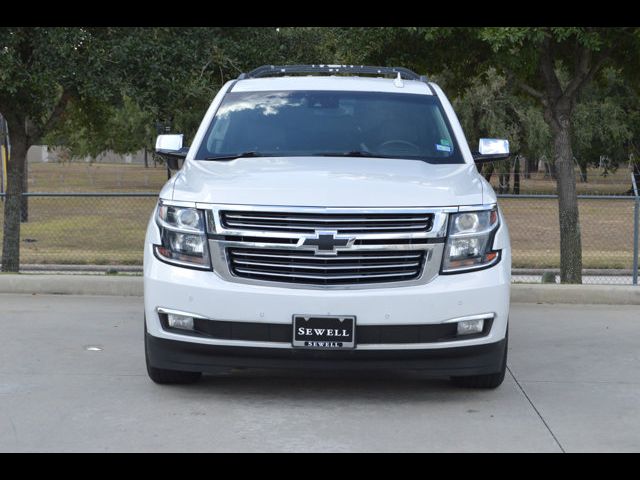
(167, 377)
(172, 377)
(491, 380)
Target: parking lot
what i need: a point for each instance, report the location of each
(72, 378)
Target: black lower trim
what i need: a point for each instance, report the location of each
(188, 356)
(283, 332)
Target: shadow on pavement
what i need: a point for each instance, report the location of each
(405, 386)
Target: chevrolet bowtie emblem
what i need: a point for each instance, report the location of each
(325, 243)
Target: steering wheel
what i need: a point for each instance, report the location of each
(403, 143)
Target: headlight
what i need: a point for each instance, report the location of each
(183, 237)
(470, 241)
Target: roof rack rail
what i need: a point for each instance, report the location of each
(276, 70)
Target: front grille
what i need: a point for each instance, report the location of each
(345, 223)
(304, 267)
(371, 247)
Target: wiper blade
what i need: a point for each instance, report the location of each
(353, 153)
(236, 155)
(364, 153)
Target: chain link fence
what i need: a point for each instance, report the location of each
(69, 230)
(607, 227)
(84, 229)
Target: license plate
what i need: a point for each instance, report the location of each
(325, 332)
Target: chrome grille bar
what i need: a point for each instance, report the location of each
(323, 220)
(309, 268)
(325, 259)
(325, 277)
(304, 266)
(341, 222)
(340, 229)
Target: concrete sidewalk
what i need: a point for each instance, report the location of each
(127, 285)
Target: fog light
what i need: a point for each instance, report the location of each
(180, 321)
(470, 327)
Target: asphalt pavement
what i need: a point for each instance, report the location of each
(72, 378)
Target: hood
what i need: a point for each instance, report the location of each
(328, 182)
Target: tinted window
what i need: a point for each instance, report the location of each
(304, 123)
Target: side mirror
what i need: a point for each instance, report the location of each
(491, 150)
(170, 148)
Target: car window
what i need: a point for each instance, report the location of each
(309, 123)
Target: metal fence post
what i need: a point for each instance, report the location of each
(636, 220)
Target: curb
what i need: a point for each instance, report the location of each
(576, 294)
(132, 286)
(71, 285)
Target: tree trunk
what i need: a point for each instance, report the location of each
(146, 162)
(503, 181)
(488, 174)
(570, 237)
(583, 173)
(530, 166)
(516, 176)
(13, 200)
(551, 170)
(24, 216)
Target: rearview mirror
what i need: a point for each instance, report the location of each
(170, 148)
(491, 150)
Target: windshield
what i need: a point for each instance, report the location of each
(330, 123)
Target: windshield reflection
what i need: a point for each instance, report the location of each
(330, 123)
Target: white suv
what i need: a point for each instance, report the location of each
(328, 217)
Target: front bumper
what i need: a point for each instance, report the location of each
(206, 294)
(445, 298)
(459, 361)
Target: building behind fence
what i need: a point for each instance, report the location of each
(108, 229)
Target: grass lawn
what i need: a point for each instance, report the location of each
(86, 230)
(106, 177)
(96, 177)
(607, 232)
(94, 230)
(616, 183)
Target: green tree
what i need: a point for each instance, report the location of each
(49, 76)
(606, 123)
(42, 71)
(488, 109)
(554, 65)
(215, 55)
(122, 129)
